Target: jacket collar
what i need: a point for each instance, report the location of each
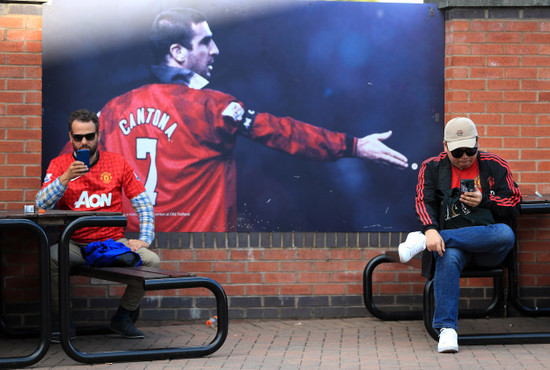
(171, 75)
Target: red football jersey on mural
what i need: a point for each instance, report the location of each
(180, 141)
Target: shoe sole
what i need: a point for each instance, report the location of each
(407, 258)
(58, 341)
(128, 336)
(448, 350)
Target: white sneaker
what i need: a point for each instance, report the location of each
(448, 341)
(414, 244)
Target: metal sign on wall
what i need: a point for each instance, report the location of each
(265, 145)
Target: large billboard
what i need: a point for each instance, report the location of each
(310, 77)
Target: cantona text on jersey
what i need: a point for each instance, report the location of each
(148, 116)
(93, 201)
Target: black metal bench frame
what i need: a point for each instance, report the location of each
(152, 279)
(512, 290)
(44, 274)
(427, 310)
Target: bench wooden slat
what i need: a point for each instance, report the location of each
(129, 275)
(171, 273)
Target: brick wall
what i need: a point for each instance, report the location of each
(20, 104)
(497, 71)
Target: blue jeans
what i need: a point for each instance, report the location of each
(477, 245)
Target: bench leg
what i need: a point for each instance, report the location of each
(165, 353)
(156, 284)
(483, 338)
(45, 313)
(367, 294)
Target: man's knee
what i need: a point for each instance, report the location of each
(452, 257)
(503, 235)
(155, 261)
(507, 233)
(149, 258)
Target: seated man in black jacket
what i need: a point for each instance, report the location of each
(461, 226)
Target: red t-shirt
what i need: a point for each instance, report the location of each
(99, 190)
(470, 173)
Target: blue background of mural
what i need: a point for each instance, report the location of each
(353, 67)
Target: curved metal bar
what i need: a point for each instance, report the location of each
(483, 338)
(167, 353)
(514, 293)
(64, 273)
(44, 275)
(221, 305)
(496, 274)
(367, 294)
(155, 284)
(528, 208)
(504, 338)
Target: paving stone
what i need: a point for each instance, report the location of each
(350, 343)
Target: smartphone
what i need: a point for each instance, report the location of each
(83, 155)
(467, 186)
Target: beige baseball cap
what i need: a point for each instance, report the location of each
(460, 132)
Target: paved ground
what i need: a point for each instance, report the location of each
(356, 343)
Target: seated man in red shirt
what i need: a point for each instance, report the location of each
(72, 185)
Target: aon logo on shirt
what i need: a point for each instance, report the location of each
(93, 201)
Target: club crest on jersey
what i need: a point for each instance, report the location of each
(93, 201)
(106, 177)
(234, 111)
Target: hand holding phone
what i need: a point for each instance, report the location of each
(83, 156)
(467, 186)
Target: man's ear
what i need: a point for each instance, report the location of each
(178, 53)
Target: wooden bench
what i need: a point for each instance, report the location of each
(148, 277)
(129, 275)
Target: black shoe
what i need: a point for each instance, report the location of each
(134, 315)
(124, 326)
(56, 335)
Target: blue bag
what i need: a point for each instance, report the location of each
(110, 253)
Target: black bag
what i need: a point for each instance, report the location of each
(453, 214)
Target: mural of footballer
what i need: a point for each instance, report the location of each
(180, 136)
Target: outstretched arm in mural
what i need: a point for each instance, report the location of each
(372, 147)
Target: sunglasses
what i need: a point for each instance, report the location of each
(458, 153)
(89, 137)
